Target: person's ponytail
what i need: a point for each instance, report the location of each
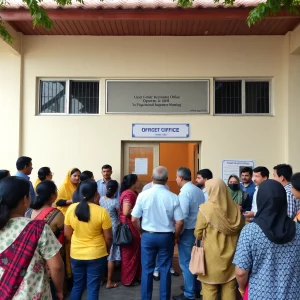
(87, 191)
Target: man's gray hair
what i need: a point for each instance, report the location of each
(185, 173)
(160, 173)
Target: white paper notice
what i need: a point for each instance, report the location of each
(141, 166)
(234, 167)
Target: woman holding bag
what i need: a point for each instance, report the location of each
(222, 221)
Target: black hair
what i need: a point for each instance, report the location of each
(87, 191)
(74, 171)
(12, 190)
(85, 175)
(263, 171)
(106, 167)
(205, 173)
(295, 181)
(44, 190)
(22, 162)
(247, 170)
(284, 170)
(111, 188)
(43, 173)
(128, 181)
(3, 174)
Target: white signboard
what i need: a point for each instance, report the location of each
(160, 130)
(234, 167)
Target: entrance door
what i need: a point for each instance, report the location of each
(141, 159)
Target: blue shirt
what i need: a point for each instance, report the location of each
(250, 189)
(274, 268)
(31, 190)
(102, 188)
(190, 198)
(158, 207)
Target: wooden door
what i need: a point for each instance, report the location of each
(141, 159)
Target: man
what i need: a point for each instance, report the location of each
(260, 174)
(202, 176)
(190, 197)
(283, 174)
(247, 185)
(24, 167)
(106, 173)
(158, 208)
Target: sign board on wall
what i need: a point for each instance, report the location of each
(157, 96)
(157, 130)
(234, 167)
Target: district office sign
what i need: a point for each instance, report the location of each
(157, 130)
(157, 97)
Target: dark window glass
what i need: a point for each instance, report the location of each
(228, 97)
(257, 97)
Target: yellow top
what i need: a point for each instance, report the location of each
(36, 183)
(65, 192)
(87, 240)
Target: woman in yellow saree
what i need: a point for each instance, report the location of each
(63, 201)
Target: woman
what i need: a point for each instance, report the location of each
(4, 173)
(41, 208)
(25, 245)
(240, 197)
(268, 249)
(83, 176)
(131, 254)
(44, 173)
(88, 227)
(111, 204)
(222, 221)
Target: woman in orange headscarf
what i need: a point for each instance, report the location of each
(63, 201)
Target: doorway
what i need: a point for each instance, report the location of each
(142, 157)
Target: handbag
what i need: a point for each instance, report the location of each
(197, 262)
(123, 235)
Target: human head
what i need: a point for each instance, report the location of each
(14, 198)
(24, 165)
(283, 173)
(75, 176)
(111, 188)
(45, 173)
(260, 174)
(129, 182)
(246, 175)
(4, 173)
(233, 182)
(86, 175)
(295, 181)
(160, 175)
(106, 172)
(46, 193)
(202, 176)
(183, 175)
(89, 193)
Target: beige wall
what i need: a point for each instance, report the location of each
(90, 141)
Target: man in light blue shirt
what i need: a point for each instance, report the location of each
(159, 208)
(190, 197)
(24, 167)
(106, 173)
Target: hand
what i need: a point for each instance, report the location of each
(60, 295)
(176, 241)
(242, 292)
(248, 214)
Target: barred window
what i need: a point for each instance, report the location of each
(69, 97)
(240, 97)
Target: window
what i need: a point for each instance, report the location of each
(239, 97)
(69, 97)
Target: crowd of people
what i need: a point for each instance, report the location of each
(59, 240)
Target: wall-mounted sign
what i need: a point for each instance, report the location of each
(157, 130)
(157, 96)
(234, 167)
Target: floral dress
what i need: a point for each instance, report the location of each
(35, 285)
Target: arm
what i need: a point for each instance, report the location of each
(57, 271)
(184, 205)
(127, 208)
(108, 238)
(242, 278)
(137, 213)
(136, 223)
(201, 224)
(178, 228)
(68, 231)
(291, 202)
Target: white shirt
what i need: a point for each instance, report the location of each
(205, 194)
(150, 185)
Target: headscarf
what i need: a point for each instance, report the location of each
(271, 214)
(236, 195)
(36, 183)
(219, 210)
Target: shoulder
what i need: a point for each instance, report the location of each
(71, 208)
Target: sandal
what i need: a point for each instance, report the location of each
(114, 285)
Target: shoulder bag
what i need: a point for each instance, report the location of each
(197, 262)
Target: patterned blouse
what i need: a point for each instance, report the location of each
(274, 268)
(35, 285)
